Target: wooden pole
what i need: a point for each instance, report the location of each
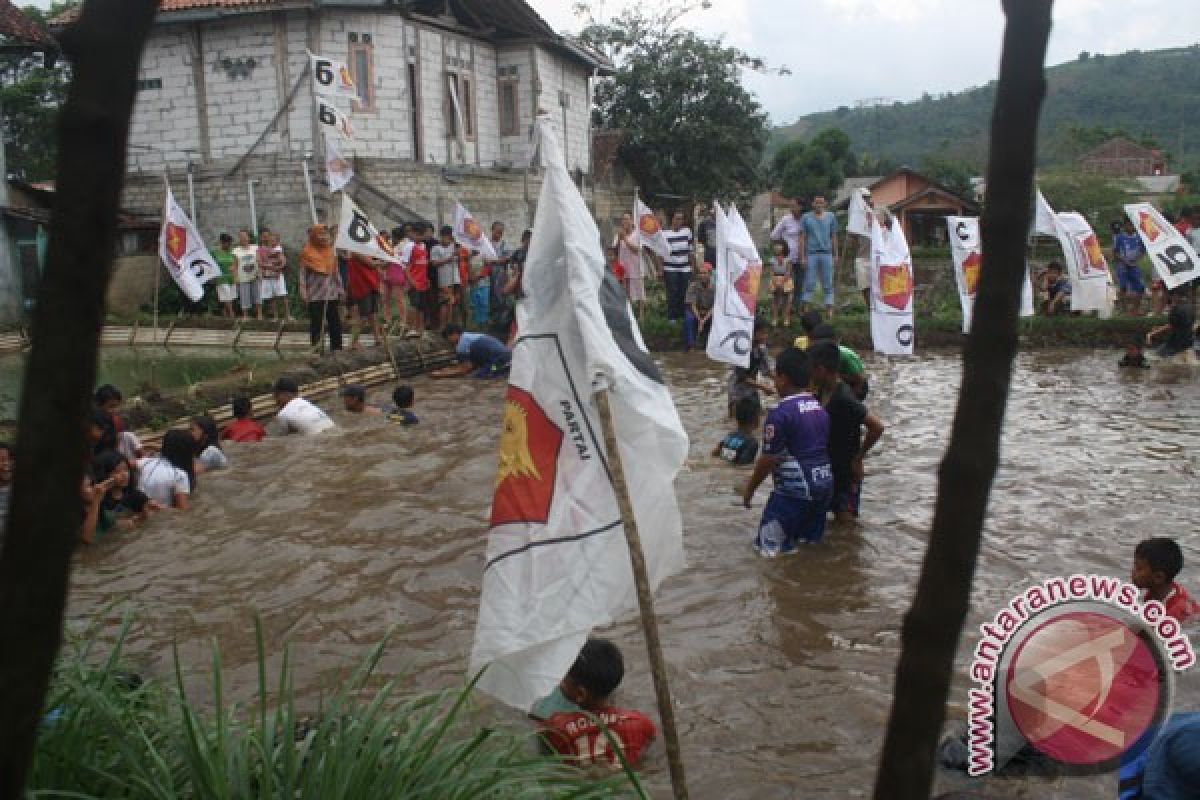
(641, 580)
(934, 623)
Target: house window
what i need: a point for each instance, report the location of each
(510, 117)
(460, 103)
(149, 83)
(468, 106)
(363, 72)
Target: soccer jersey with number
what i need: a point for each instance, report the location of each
(574, 734)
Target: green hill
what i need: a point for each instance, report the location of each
(1152, 95)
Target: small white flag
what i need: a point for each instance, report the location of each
(966, 246)
(333, 119)
(1174, 258)
(1087, 268)
(650, 229)
(337, 169)
(332, 77)
(184, 252)
(356, 234)
(858, 219)
(892, 329)
(469, 233)
(739, 271)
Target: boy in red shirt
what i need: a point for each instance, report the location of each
(418, 280)
(575, 716)
(1156, 562)
(243, 428)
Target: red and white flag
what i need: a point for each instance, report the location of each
(338, 169)
(892, 328)
(650, 228)
(183, 252)
(739, 272)
(1087, 268)
(966, 246)
(1174, 258)
(356, 234)
(557, 562)
(469, 233)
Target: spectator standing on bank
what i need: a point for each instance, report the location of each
(629, 252)
(789, 230)
(701, 297)
(820, 252)
(497, 269)
(677, 265)
(321, 287)
(226, 291)
(245, 275)
(272, 265)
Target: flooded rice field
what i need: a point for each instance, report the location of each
(782, 670)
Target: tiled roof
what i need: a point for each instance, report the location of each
(20, 28)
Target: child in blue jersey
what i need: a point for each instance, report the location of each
(740, 447)
(795, 453)
(1127, 250)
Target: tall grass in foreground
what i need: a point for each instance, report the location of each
(108, 734)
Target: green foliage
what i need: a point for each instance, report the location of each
(953, 173)
(1086, 98)
(112, 736)
(691, 129)
(1099, 199)
(802, 169)
(31, 94)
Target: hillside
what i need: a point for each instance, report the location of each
(1154, 93)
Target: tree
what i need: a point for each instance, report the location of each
(820, 166)
(953, 173)
(1098, 198)
(691, 128)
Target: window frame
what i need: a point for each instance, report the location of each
(367, 49)
(504, 85)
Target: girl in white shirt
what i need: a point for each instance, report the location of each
(169, 477)
(209, 455)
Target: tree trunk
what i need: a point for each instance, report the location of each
(104, 46)
(933, 624)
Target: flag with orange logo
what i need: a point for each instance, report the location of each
(469, 233)
(338, 170)
(331, 76)
(557, 564)
(892, 329)
(183, 252)
(738, 273)
(1173, 256)
(356, 234)
(649, 228)
(966, 247)
(1087, 268)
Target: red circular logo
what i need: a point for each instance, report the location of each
(1083, 687)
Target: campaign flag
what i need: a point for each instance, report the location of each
(649, 228)
(333, 120)
(1174, 258)
(338, 170)
(966, 247)
(738, 273)
(557, 562)
(183, 252)
(469, 233)
(356, 234)
(331, 77)
(858, 219)
(1087, 268)
(892, 284)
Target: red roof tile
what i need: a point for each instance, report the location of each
(21, 28)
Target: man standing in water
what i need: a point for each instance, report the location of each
(820, 253)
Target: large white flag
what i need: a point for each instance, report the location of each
(858, 218)
(338, 170)
(333, 120)
(739, 270)
(649, 228)
(966, 247)
(1174, 258)
(356, 234)
(183, 251)
(557, 561)
(1087, 269)
(469, 233)
(331, 77)
(892, 329)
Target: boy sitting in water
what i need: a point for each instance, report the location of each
(575, 716)
(243, 428)
(402, 401)
(748, 381)
(1156, 562)
(1134, 355)
(1058, 290)
(795, 454)
(741, 447)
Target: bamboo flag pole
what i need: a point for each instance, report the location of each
(641, 579)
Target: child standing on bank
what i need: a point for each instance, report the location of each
(796, 455)
(1156, 563)
(783, 286)
(245, 275)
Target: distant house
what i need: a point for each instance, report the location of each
(1121, 158)
(920, 203)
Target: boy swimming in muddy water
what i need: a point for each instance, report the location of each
(740, 447)
(574, 717)
(1156, 563)
(795, 453)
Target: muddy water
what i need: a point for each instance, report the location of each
(782, 669)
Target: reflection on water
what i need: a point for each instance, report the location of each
(782, 670)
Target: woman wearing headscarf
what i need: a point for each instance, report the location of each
(321, 287)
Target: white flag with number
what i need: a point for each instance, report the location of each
(333, 120)
(183, 252)
(1174, 258)
(332, 77)
(469, 233)
(338, 170)
(557, 562)
(738, 272)
(1087, 268)
(966, 247)
(892, 329)
(649, 228)
(356, 234)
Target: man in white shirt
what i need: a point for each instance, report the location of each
(791, 230)
(677, 266)
(297, 415)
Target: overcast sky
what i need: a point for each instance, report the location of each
(842, 52)
(845, 51)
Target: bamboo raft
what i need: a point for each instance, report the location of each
(233, 338)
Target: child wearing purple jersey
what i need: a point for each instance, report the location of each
(795, 454)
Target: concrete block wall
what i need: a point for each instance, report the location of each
(241, 108)
(164, 125)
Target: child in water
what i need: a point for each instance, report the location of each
(575, 716)
(402, 401)
(740, 447)
(130, 506)
(244, 428)
(1156, 563)
(208, 444)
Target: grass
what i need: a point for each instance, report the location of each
(110, 734)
